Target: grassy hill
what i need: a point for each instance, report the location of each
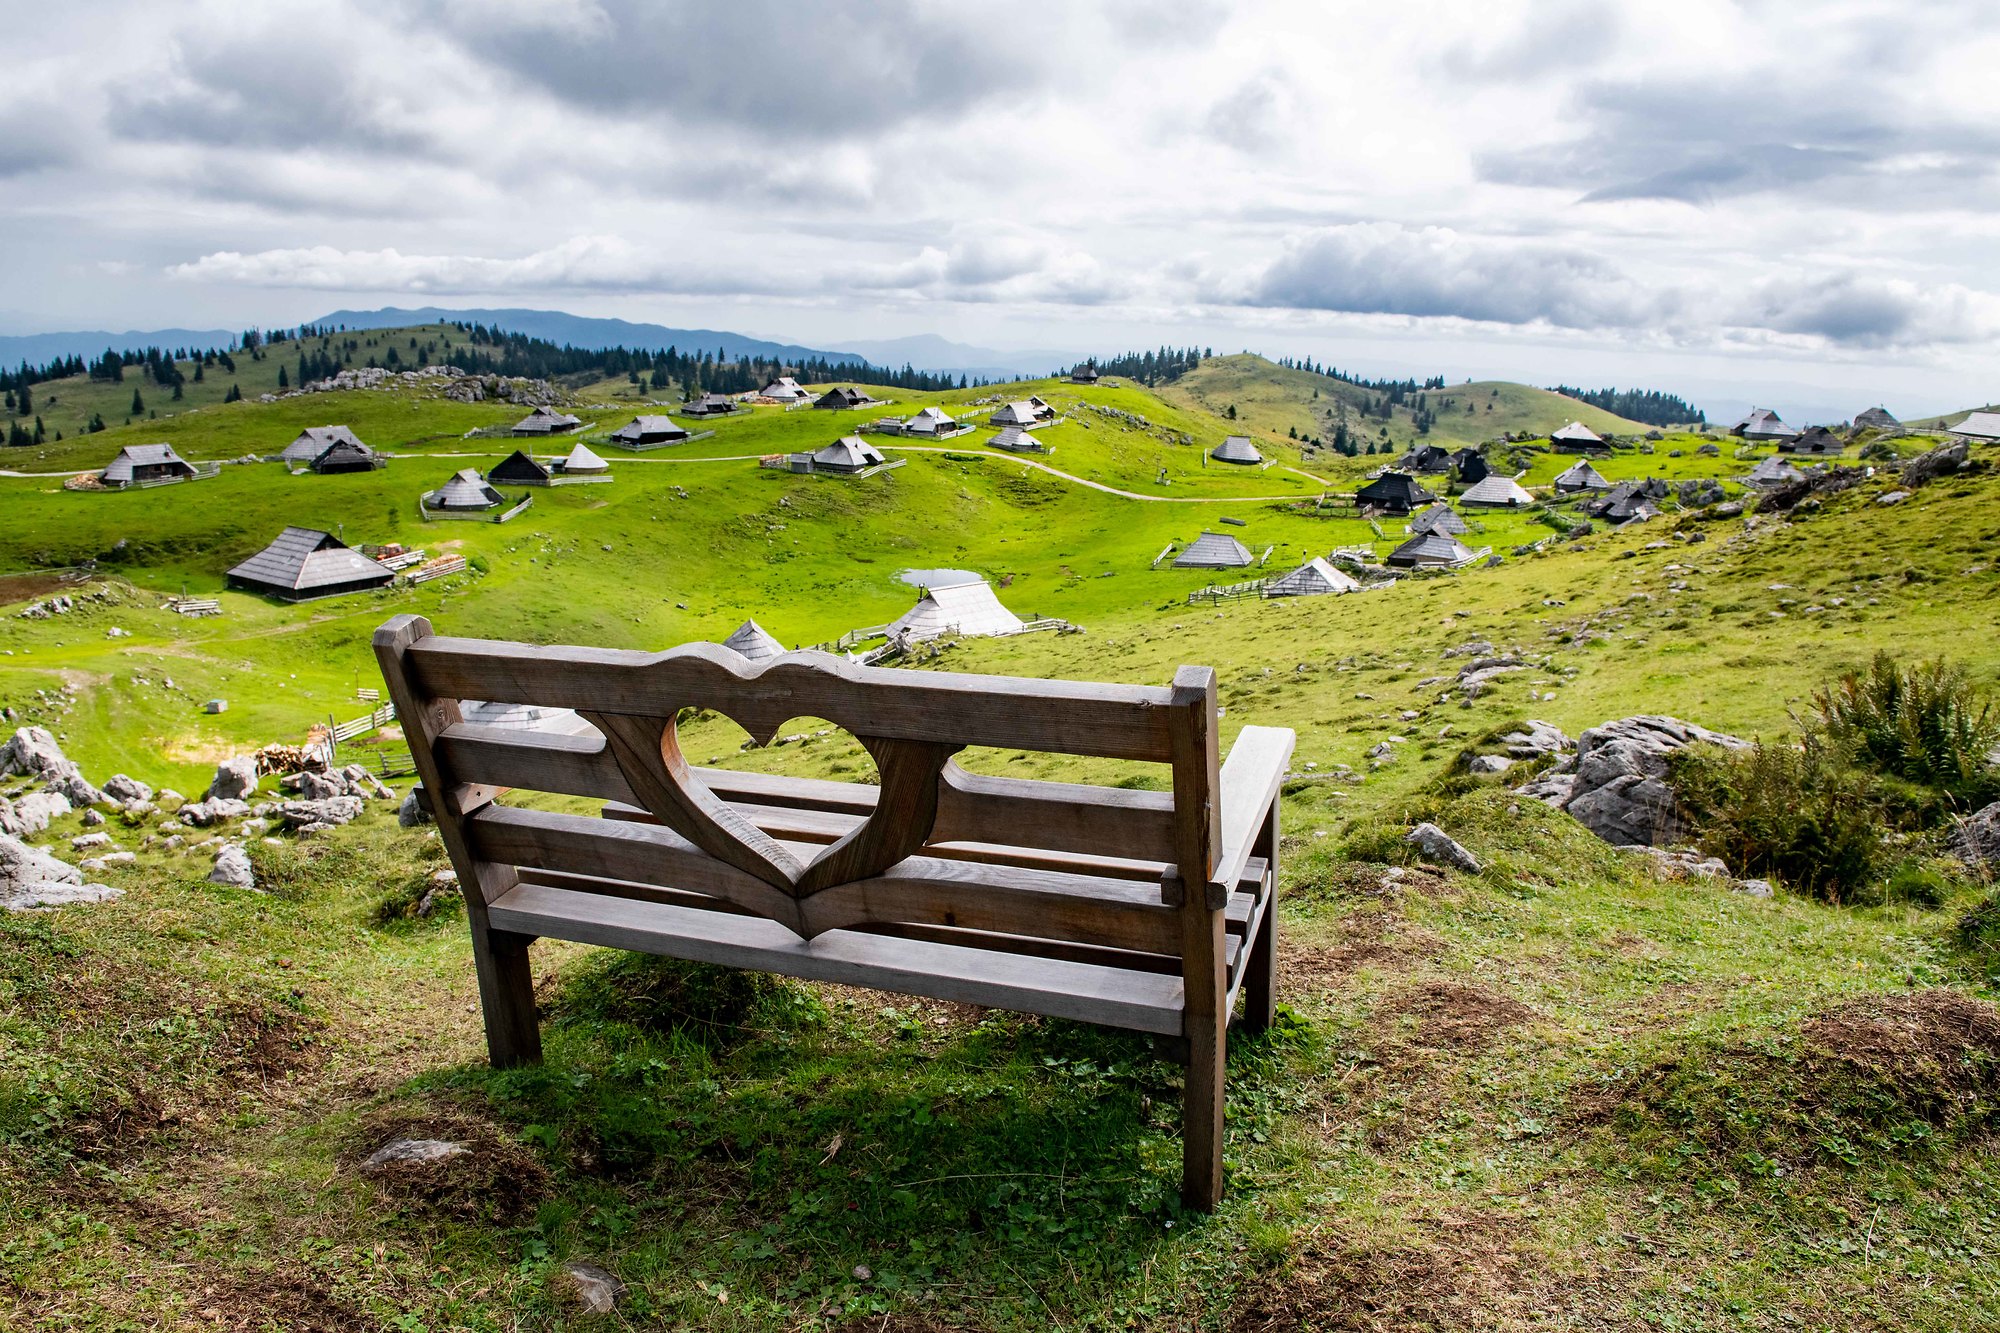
(1560, 1093)
(1272, 400)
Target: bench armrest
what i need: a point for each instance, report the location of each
(1251, 776)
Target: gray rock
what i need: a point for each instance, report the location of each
(1438, 845)
(83, 840)
(31, 878)
(214, 810)
(596, 1290)
(322, 786)
(127, 791)
(1533, 739)
(1975, 839)
(75, 789)
(1489, 763)
(235, 779)
(1755, 888)
(411, 814)
(1892, 498)
(167, 797)
(92, 818)
(232, 867)
(32, 752)
(313, 816)
(32, 813)
(1939, 462)
(1620, 791)
(1550, 788)
(413, 1152)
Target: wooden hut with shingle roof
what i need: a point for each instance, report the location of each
(517, 469)
(1429, 550)
(137, 463)
(649, 432)
(847, 455)
(1496, 492)
(1393, 492)
(1312, 579)
(1214, 550)
(582, 461)
(305, 563)
(344, 456)
(1237, 449)
(1580, 478)
(753, 642)
(316, 440)
(959, 608)
(1440, 517)
(463, 494)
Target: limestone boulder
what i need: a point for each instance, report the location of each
(1619, 791)
(235, 779)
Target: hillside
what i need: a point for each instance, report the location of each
(1272, 400)
(1563, 1092)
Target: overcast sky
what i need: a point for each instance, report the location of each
(1792, 197)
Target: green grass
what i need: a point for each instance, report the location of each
(1556, 1094)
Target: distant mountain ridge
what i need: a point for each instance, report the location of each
(38, 349)
(589, 333)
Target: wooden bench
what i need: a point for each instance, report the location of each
(1146, 910)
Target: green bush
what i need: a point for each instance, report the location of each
(1979, 934)
(1928, 724)
(1795, 814)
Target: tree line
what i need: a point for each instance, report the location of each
(1647, 405)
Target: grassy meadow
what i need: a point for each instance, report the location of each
(1561, 1093)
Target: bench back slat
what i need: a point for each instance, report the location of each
(1055, 816)
(1061, 717)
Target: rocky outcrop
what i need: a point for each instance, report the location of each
(318, 816)
(31, 813)
(214, 810)
(30, 877)
(1616, 785)
(1976, 839)
(32, 752)
(127, 790)
(232, 867)
(235, 779)
(1939, 462)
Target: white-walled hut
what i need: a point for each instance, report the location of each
(1496, 492)
(1236, 449)
(1313, 579)
(464, 493)
(137, 463)
(751, 640)
(961, 608)
(1214, 550)
(649, 432)
(546, 421)
(848, 454)
(305, 563)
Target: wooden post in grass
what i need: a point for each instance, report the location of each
(1204, 1024)
(506, 981)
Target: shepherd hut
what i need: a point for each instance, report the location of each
(847, 455)
(464, 493)
(961, 608)
(517, 469)
(1236, 449)
(305, 563)
(1395, 492)
(844, 399)
(1430, 550)
(546, 421)
(1470, 466)
(1084, 374)
(1214, 550)
(1496, 492)
(1877, 418)
(1978, 426)
(752, 641)
(314, 441)
(1019, 441)
(649, 432)
(1581, 477)
(1425, 458)
(582, 462)
(137, 463)
(709, 405)
(1312, 579)
(1761, 424)
(1440, 518)
(1577, 438)
(1773, 471)
(346, 456)
(930, 421)
(1812, 440)
(784, 389)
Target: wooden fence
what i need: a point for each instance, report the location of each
(1226, 593)
(437, 569)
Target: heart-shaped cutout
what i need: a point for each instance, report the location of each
(648, 752)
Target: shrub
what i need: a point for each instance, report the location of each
(1979, 933)
(1927, 723)
(1795, 814)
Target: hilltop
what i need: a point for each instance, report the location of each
(1271, 400)
(1566, 1091)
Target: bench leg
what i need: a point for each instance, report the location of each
(1201, 1130)
(507, 998)
(1260, 980)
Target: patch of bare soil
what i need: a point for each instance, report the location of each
(899, 1323)
(1452, 1015)
(495, 1179)
(27, 587)
(288, 1298)
(1941, 1043)
(1370, 937)
(1462, 1273)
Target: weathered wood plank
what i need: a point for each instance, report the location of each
(1203, 947)
(1249, 788)
(1057, 816)
(1113, 997)
(1065, 717)
(1010, 900)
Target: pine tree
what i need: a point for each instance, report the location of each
(282, 382)
(235, 395)
(138, 403)
(25, 398)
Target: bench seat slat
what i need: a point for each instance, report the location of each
(1115, 997)
(1011, 900)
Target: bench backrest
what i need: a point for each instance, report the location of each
(933, 844)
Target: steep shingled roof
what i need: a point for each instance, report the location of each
(1214, 550)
